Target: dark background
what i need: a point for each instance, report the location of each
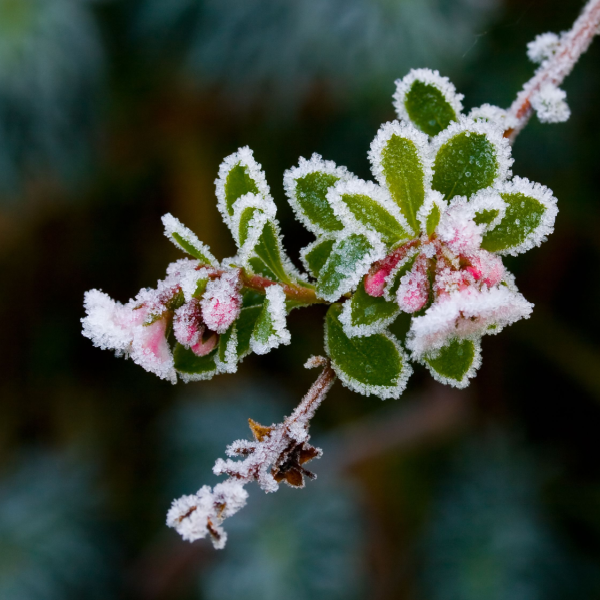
(115, 112)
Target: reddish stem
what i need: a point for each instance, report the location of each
(554, 70)
(292, 291)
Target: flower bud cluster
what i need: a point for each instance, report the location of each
(194, 303)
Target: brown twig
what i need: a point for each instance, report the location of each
(573, 44)
(277, 454)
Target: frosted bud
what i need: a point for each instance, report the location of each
(222, 301)
(187, 323)
(413, 291)
(375, 282)
(543, 47)
(458, 230)
(205, 346)
(550, 104)
(486, 268)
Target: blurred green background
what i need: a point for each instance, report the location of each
(115, 112)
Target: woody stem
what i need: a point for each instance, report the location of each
(573, 44)
(305, 411)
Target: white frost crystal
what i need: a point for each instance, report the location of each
(543, 47)
(201, 514)
(488, 113)
(550, 104)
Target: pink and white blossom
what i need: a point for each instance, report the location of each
(469, 313)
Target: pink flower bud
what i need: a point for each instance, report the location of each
(204, 347)
(222, 302)
(375, 283)
(187, 323)
(413, 292)
(486, 268)
(150, 347)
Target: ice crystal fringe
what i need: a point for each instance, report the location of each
(488, 113)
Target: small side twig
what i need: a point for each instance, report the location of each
(277, 454)
(573, 44)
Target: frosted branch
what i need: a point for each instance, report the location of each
(277, 454)
(558, 56)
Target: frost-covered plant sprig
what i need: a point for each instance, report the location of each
(410, 265)
(277, 454)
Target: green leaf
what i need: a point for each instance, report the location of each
(224, 340)
(270, 328)
(245, 324)
(433, 219)
(238, 183)
(486, 216)
(348, 262)
(263, 328)
(200, 288)
(187, 362)
(258, 266)
(523, 217)
(316, 254)
(369, 365)
(192, 250)
(427, 108)
(465, 164)
(404, 267)
(186, 240)
(251, 298)
(404, 175)
(245, 220)
(374, 215)
(310, 195)
(268, 249)
(364, 315)
(456, 363)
